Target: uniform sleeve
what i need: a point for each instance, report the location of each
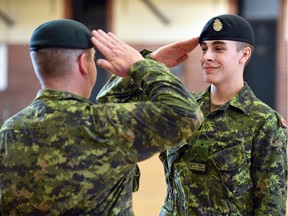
(121, 90)
(269, 169)
(144, 128)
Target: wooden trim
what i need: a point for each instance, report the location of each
(67, 9)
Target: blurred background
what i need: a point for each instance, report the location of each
(145, 24)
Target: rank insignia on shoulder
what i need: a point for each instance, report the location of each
(198, 167)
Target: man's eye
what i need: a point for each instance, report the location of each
(204, 49)
(219, 48)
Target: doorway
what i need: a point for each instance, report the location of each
(93, 14)
(260, 73)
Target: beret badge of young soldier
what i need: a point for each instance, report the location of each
(217, 25)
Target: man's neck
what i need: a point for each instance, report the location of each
(222, 94)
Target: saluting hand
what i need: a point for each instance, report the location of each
(175, 53)
(119, 56)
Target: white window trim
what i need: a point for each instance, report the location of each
(3, 67)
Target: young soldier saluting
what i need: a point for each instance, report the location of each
(236, 163)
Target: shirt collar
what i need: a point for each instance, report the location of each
(57, 94)
(243, 100)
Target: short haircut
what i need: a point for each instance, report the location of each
(54, 63)
(241, 45)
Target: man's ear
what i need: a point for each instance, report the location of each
(82, 61)
(246, 55)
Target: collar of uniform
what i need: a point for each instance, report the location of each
(57, 94)
(243, 100)
(203, 100)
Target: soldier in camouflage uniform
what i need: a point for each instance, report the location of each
(236, 163)
(63, 155)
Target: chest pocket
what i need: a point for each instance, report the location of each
(234, 169)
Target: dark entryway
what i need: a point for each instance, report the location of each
(92, 13)
(261, 70)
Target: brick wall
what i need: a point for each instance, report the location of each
(22, 82)
(194, 79)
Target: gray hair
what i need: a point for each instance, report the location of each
(54, 63)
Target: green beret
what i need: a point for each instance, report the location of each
(63, 33)
(227, 27)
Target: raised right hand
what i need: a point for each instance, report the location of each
(175, 53)
(119, 56)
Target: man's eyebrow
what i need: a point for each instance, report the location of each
(217, 42)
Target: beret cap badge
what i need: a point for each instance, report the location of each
(217, 25)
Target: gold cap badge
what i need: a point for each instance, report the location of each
(217, 25)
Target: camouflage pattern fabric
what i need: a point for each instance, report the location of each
(65, 156)
(235, 164)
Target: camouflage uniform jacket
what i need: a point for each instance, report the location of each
(65, 156)
(235, 164)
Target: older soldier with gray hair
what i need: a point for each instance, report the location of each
(236, 163)
(63, 155)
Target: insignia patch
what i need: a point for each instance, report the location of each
(217, 25)
(198, 167)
